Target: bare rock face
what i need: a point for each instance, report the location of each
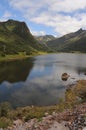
(65, 76)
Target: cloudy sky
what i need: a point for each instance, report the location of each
(56, 17)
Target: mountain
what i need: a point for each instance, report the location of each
(15, 37)
(71, 42)
(45, 38)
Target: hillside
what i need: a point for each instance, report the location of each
(70, 42)
(45, 38)
(15, 37)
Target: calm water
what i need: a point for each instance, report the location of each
(37, 80)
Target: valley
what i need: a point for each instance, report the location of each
(32, 91)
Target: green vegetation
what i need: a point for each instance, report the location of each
(15, 37)
(76, 94)
(21, 55)
(73, 42)
(81, 90)
(25, 113)
(5, 108)
(4, 122)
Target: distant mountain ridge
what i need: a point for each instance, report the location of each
(15, 37)
(45, 38)
(71, 42)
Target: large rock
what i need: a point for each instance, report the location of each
(58, 126)
(65, 76)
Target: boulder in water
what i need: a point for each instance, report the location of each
(65, 76)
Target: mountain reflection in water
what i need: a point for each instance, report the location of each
(37, 80)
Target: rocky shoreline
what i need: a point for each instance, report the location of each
(74, 119)
(64, 116)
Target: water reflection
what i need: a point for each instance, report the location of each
(15, 71)
(38, 80)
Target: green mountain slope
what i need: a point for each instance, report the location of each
(15, 37)
(70, 42)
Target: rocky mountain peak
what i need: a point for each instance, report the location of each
(80, 30)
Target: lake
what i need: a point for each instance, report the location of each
(37, 80)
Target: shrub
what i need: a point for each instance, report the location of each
(5, 122)
(4, 108)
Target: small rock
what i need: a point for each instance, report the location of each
(46, 114)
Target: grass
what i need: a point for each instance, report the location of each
(4, 122)
(21, 55)
(25, 114)
(12, 57)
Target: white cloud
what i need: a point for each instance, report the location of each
(53, 5)
(62, 24)
(68, 5)
(6, 16)
(63, 16)
(39, 33)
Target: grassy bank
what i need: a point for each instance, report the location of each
(19, 56)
